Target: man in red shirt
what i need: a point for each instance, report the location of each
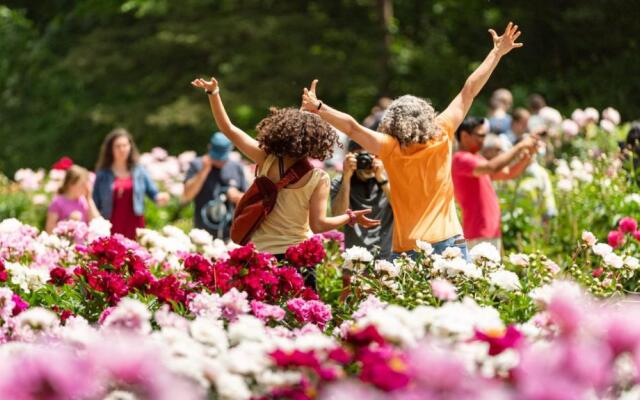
(472, 175)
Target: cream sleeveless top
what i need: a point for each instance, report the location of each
(288, 224)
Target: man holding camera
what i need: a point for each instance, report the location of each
(215, 184)
(363, 184)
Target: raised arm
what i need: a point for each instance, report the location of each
(459, 107)
(370, 140)
(496, 166)
(242, 140)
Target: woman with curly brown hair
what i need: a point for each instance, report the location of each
(415, 145)
(284, 137)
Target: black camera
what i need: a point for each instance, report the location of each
(364, 160)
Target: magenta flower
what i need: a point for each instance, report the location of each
(615, 238)
(384, 367)
(501, 341)
(636, 235)
(19, 304)
(628, 225)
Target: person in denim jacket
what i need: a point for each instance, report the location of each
(121, 184)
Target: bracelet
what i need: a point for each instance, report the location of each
(319, 106)
(352, 217)
(213, 92)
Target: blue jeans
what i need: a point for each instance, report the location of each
(439, 247)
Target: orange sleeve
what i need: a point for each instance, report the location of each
(446, 125)
(388, 144)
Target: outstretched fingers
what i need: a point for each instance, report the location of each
(314, 84)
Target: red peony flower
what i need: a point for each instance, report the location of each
(597, 272)
(109, 251)
(60, 277)
(141, 280)
(307, 254)
(363, 337)
(500, 341)
(628, 225)
(3, 272)
(615, 239)
(168, 289)
(63, 164)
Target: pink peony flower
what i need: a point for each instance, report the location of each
(570, 128)
(628, 225)
(615, 239)
(312, 311)
(266, 311)
(443, 289)
(636, 235)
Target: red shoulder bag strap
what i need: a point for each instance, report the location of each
(295, 173)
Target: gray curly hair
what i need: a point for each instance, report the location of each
(410, 120)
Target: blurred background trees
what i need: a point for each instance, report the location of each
(72, 70)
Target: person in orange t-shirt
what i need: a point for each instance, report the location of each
(415, 145)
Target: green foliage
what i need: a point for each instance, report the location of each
(71, 71)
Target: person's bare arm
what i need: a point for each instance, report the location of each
(242, 140)
(368, 139)
(194, 184)
(234, 194)
(320, 222)
(513, 171)
(495, 166)
(459, 107)
(52, 221)
(340, 203)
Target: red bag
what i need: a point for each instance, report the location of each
(260, 199)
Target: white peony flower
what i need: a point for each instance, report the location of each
(591, 114)
(452, 252)
(632, 262)
(607, 126)
(99, 227)
(232, 387)
(565, 185)
(611, 114)
(506, 280)
(357, 254)
(613, 260)
(209, 332)
(579, 117)
(200, 237)
(589, 238)
(519, 259)
(570, 128)
(485, 251)
(34, 321)
(425, 247)
(602, 249)
(387, 267)
(129, 315)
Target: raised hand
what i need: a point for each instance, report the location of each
(309, 100)
(507, 41)
(206, 85)
(364, 221)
